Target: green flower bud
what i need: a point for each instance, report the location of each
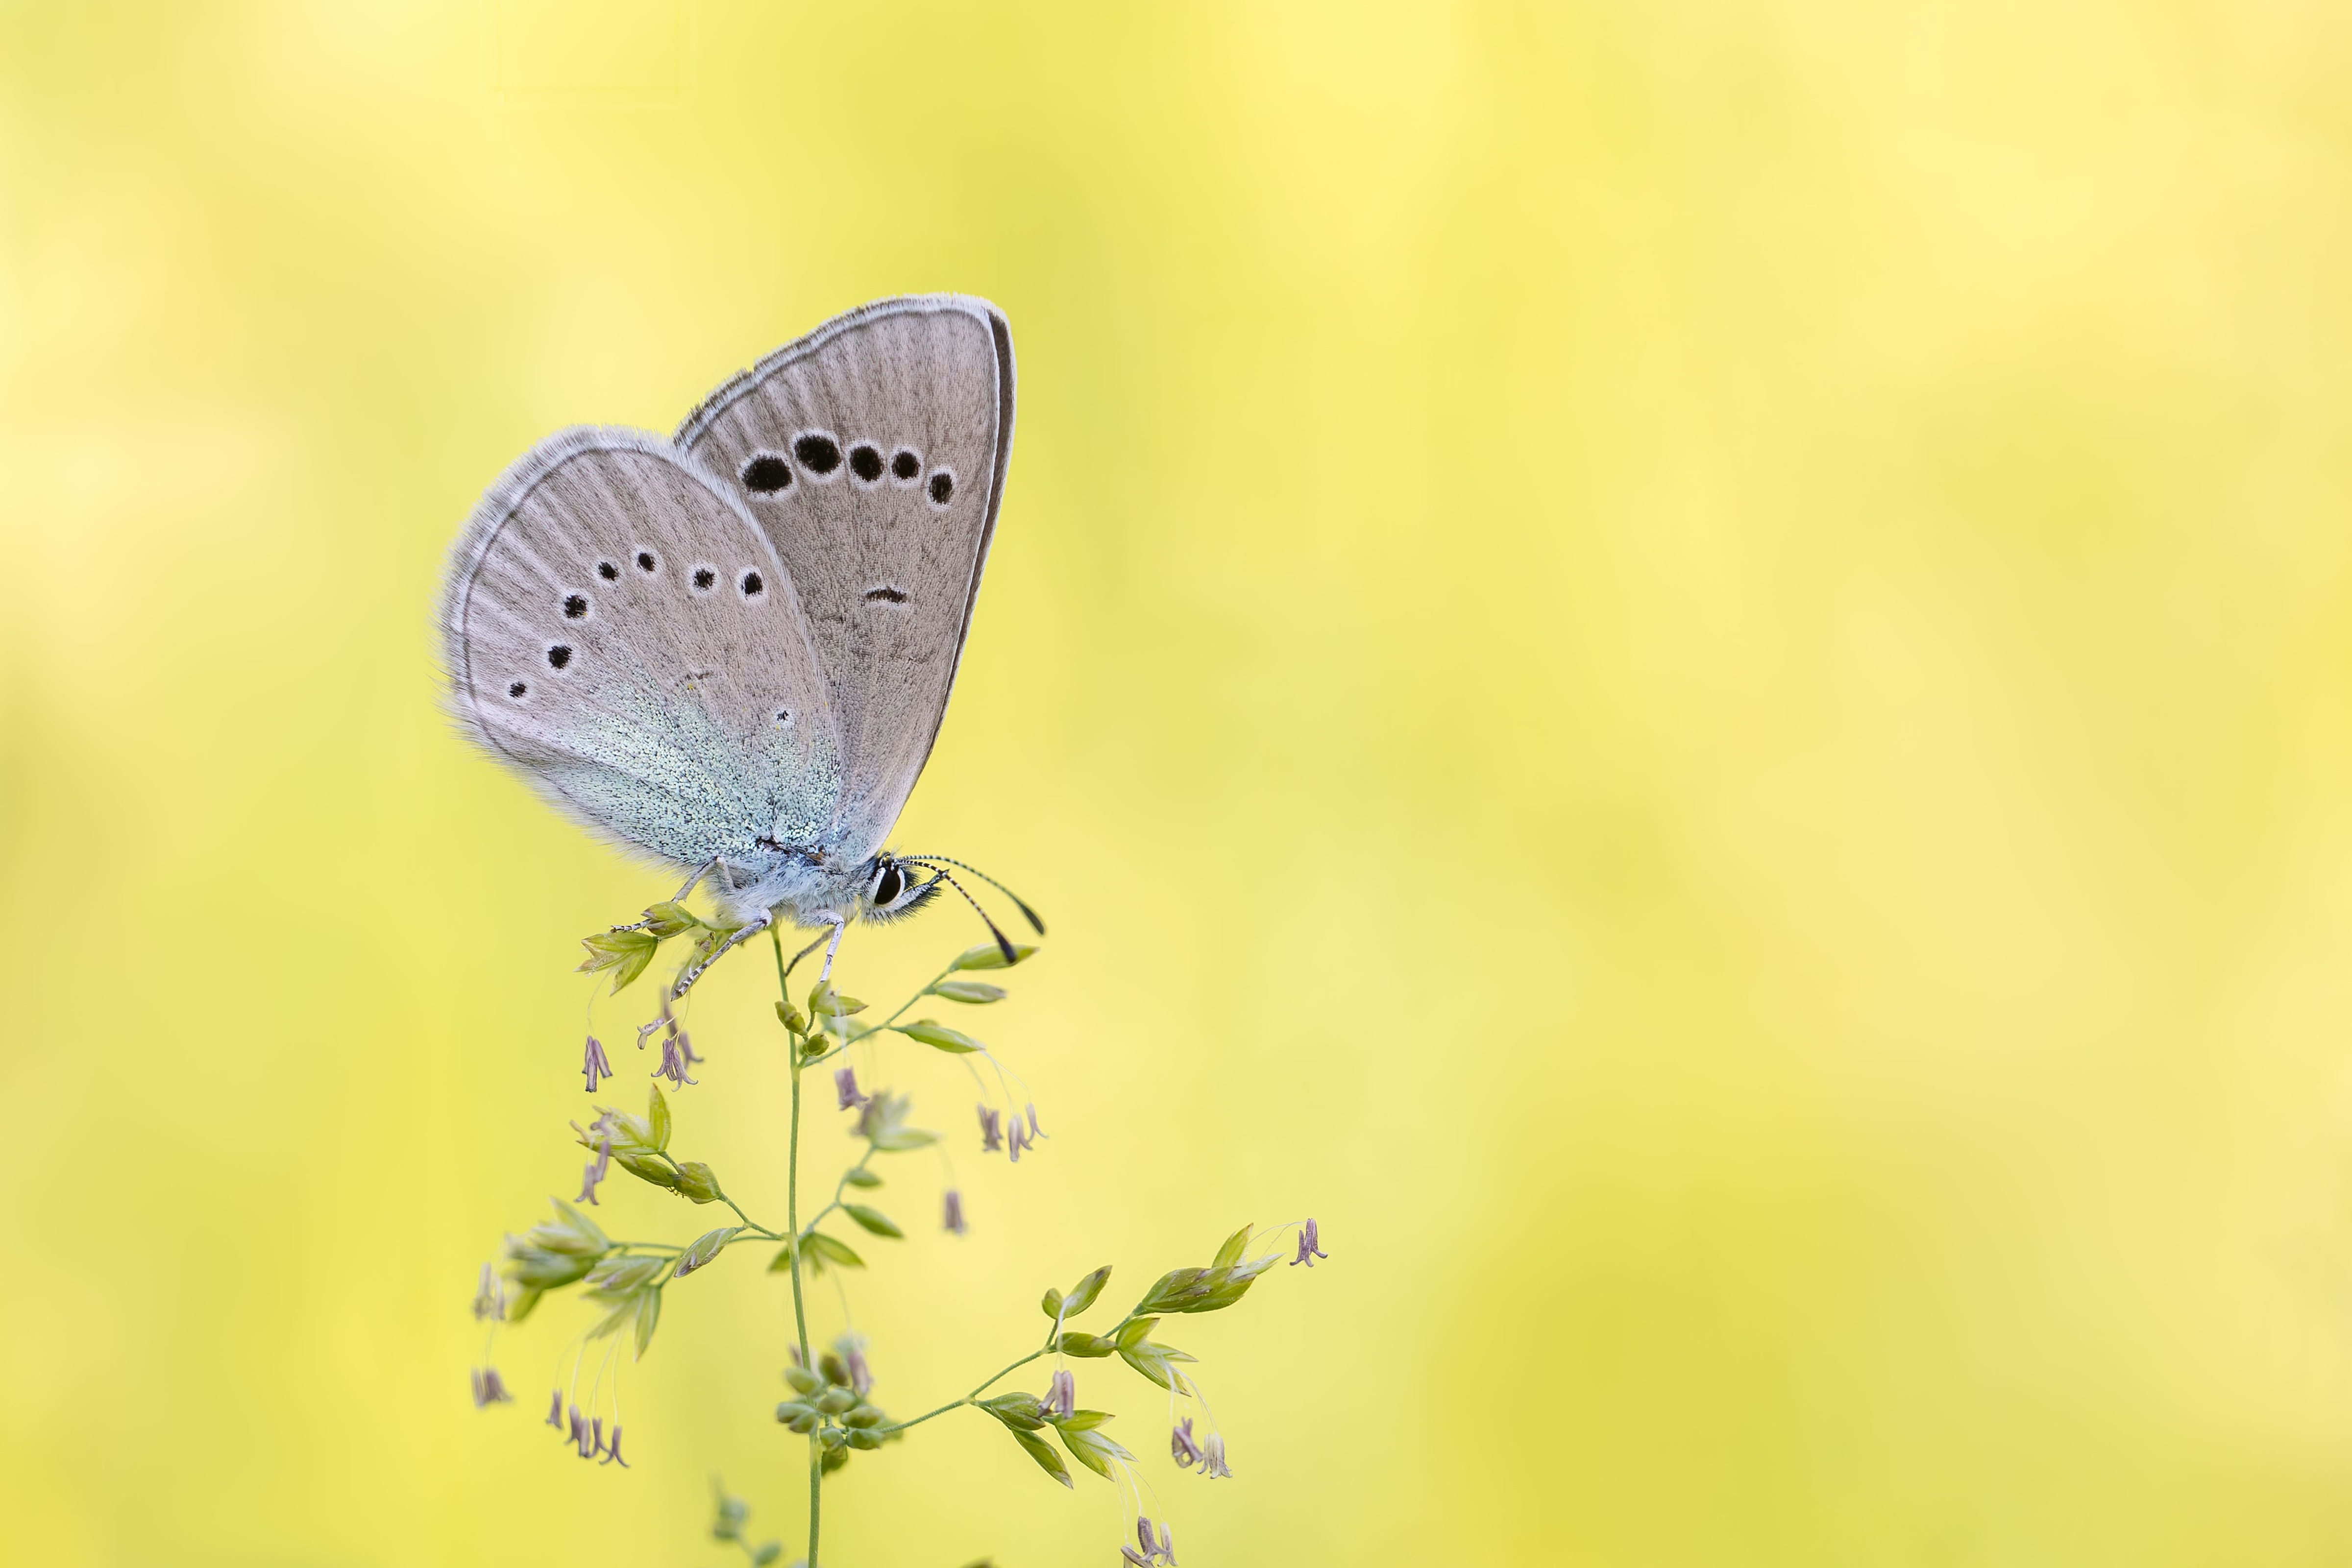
(1020, 1412)
(833, 1459)
(859, 1438)
(695, 1180)
(663, 921)
(704, 1249)
(792, 1018)
(832, 1436)
(797, 1416)
(1039, 1449)
(1082, 1294)
(835, 1401)
(826, 1003)
(874, 1220)
(645, 1167)
(988, 955)
(862, 1416)
(803, 1379)
(939, 1037)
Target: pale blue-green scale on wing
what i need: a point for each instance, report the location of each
(738, 646)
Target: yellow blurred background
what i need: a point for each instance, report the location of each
(1686, 666)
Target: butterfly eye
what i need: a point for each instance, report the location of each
(889, 885)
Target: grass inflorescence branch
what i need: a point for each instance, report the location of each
(829, 1401)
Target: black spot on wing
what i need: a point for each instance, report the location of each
(765, 474)
(817, 452)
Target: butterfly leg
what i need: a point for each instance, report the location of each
(679, 896)
(831, 946)
(741, 934)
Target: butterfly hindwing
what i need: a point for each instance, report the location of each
(619, 633)
(872, 453)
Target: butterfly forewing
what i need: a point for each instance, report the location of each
(872, 453)
(618, 632)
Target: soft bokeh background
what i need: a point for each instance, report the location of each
(1688, 666)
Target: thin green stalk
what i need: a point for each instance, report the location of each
(976, 1393)
(792, 1218)
(816, 1494)
(852, 1040)
(839, 1188)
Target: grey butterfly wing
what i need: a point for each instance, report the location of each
(618, 632)
(873, 452)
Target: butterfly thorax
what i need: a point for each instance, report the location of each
(810, 886)
(802, 885)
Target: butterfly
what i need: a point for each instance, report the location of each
(732, 649)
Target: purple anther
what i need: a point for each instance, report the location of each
(596, 1066)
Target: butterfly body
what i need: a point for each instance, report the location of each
(731, 649)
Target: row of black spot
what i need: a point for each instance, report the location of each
(751, 585)
(767, 474)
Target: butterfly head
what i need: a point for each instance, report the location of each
(891, 889)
